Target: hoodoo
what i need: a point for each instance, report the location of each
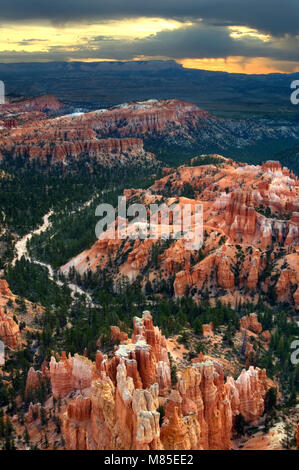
(115, 403)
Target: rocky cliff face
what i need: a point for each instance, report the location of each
(28, 112)
(176, 119)
(112, 135)
(149, 117)
(117, 336)
(35, 378)
(9, 331)
(4, 289)
(251, 322)
(32, 136)
(38, 103)
(115, 401)
(12, 315)
(65, 147)
(251, 235)
(69, 374)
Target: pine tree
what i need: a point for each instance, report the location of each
(289, 439)
(244, 343)
(26, 436)
(46, 442)
(43, 416)
(240, 424)
(270, 399)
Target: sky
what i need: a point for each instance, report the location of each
(244, 36)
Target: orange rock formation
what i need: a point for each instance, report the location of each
(207, 330)
(251, 235)
(4, 289)
(9, 331)
(116, 335)
(64, 139)
(251, 323)
(115, 402)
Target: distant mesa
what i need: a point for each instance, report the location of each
(29, 133)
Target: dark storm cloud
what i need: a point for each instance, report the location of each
(198, 41)
(207, 37)
(277, 17)
(28, 42)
